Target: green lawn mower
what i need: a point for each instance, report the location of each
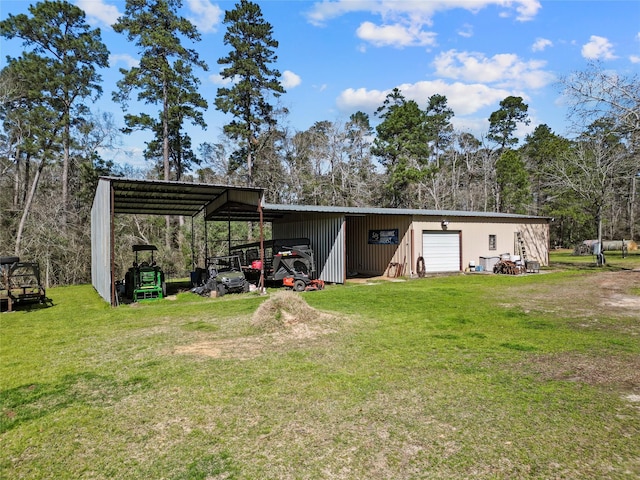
(145, 281)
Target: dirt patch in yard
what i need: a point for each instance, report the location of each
(601, 301)
(615, 288)
(604, 301)
(619, 373)
(610, 289)
(283, 321)
(237, 348)
(590, 296)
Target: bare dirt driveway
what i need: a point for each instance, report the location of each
(603, 301)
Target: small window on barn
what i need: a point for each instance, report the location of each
(492, 242)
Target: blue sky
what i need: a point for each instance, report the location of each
(340, 56)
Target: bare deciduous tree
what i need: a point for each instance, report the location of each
(596, 92)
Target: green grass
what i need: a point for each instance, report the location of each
(453, 377)
(614, 261)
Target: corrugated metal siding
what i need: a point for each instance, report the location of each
(327, 235)
(101, 240)
(375, 259)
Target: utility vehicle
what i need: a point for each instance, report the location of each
(223, 275)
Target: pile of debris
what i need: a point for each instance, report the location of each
(286, 310)
(508, 267)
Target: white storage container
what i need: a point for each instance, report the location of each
(487, 263)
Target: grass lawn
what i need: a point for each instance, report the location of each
(447, 377)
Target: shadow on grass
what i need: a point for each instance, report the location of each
(615, 261)
(33, 401)
(25, 306)
(589, 267)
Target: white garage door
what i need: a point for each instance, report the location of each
(441, 251)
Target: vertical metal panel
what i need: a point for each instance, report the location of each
(327, 235)
(369, 259)
(101, 240)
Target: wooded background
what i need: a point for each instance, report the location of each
(408, 155)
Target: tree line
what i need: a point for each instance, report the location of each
(407, 156)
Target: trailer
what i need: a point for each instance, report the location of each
(289, 262)
(20, 283)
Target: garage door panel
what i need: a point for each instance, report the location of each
(441, 251)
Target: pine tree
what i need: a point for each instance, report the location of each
(165, 74)
(439, 127)
(68, 54)
(513, 183)
(503, 122)
(248, 65)
(402, 145)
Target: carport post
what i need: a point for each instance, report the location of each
(206, 242)
(193, 247)
(263, 290)
(228, 232)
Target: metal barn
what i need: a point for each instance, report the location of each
(346, 241)
(386, 241)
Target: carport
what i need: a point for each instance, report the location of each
(154, 197)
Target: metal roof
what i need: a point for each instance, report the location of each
(274, 209)
(158, 197)
(227, 202)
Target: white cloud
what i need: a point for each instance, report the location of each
(469, 102)
(396, 35)
(598, 48)
(132, 158)
(402, 22)
(290, 79)
(353, 99)
(125, 58)
(466, 31)
(218, 79)
(207, 15)
(419, 12)
(635, 58)
(505, 70)
(527, 9)
(540, 44)
(99, 11)
(473, 125)
(464, 99)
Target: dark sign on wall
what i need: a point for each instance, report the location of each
(383, 237)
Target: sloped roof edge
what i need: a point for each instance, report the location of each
(358, 211)
(161, 197)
